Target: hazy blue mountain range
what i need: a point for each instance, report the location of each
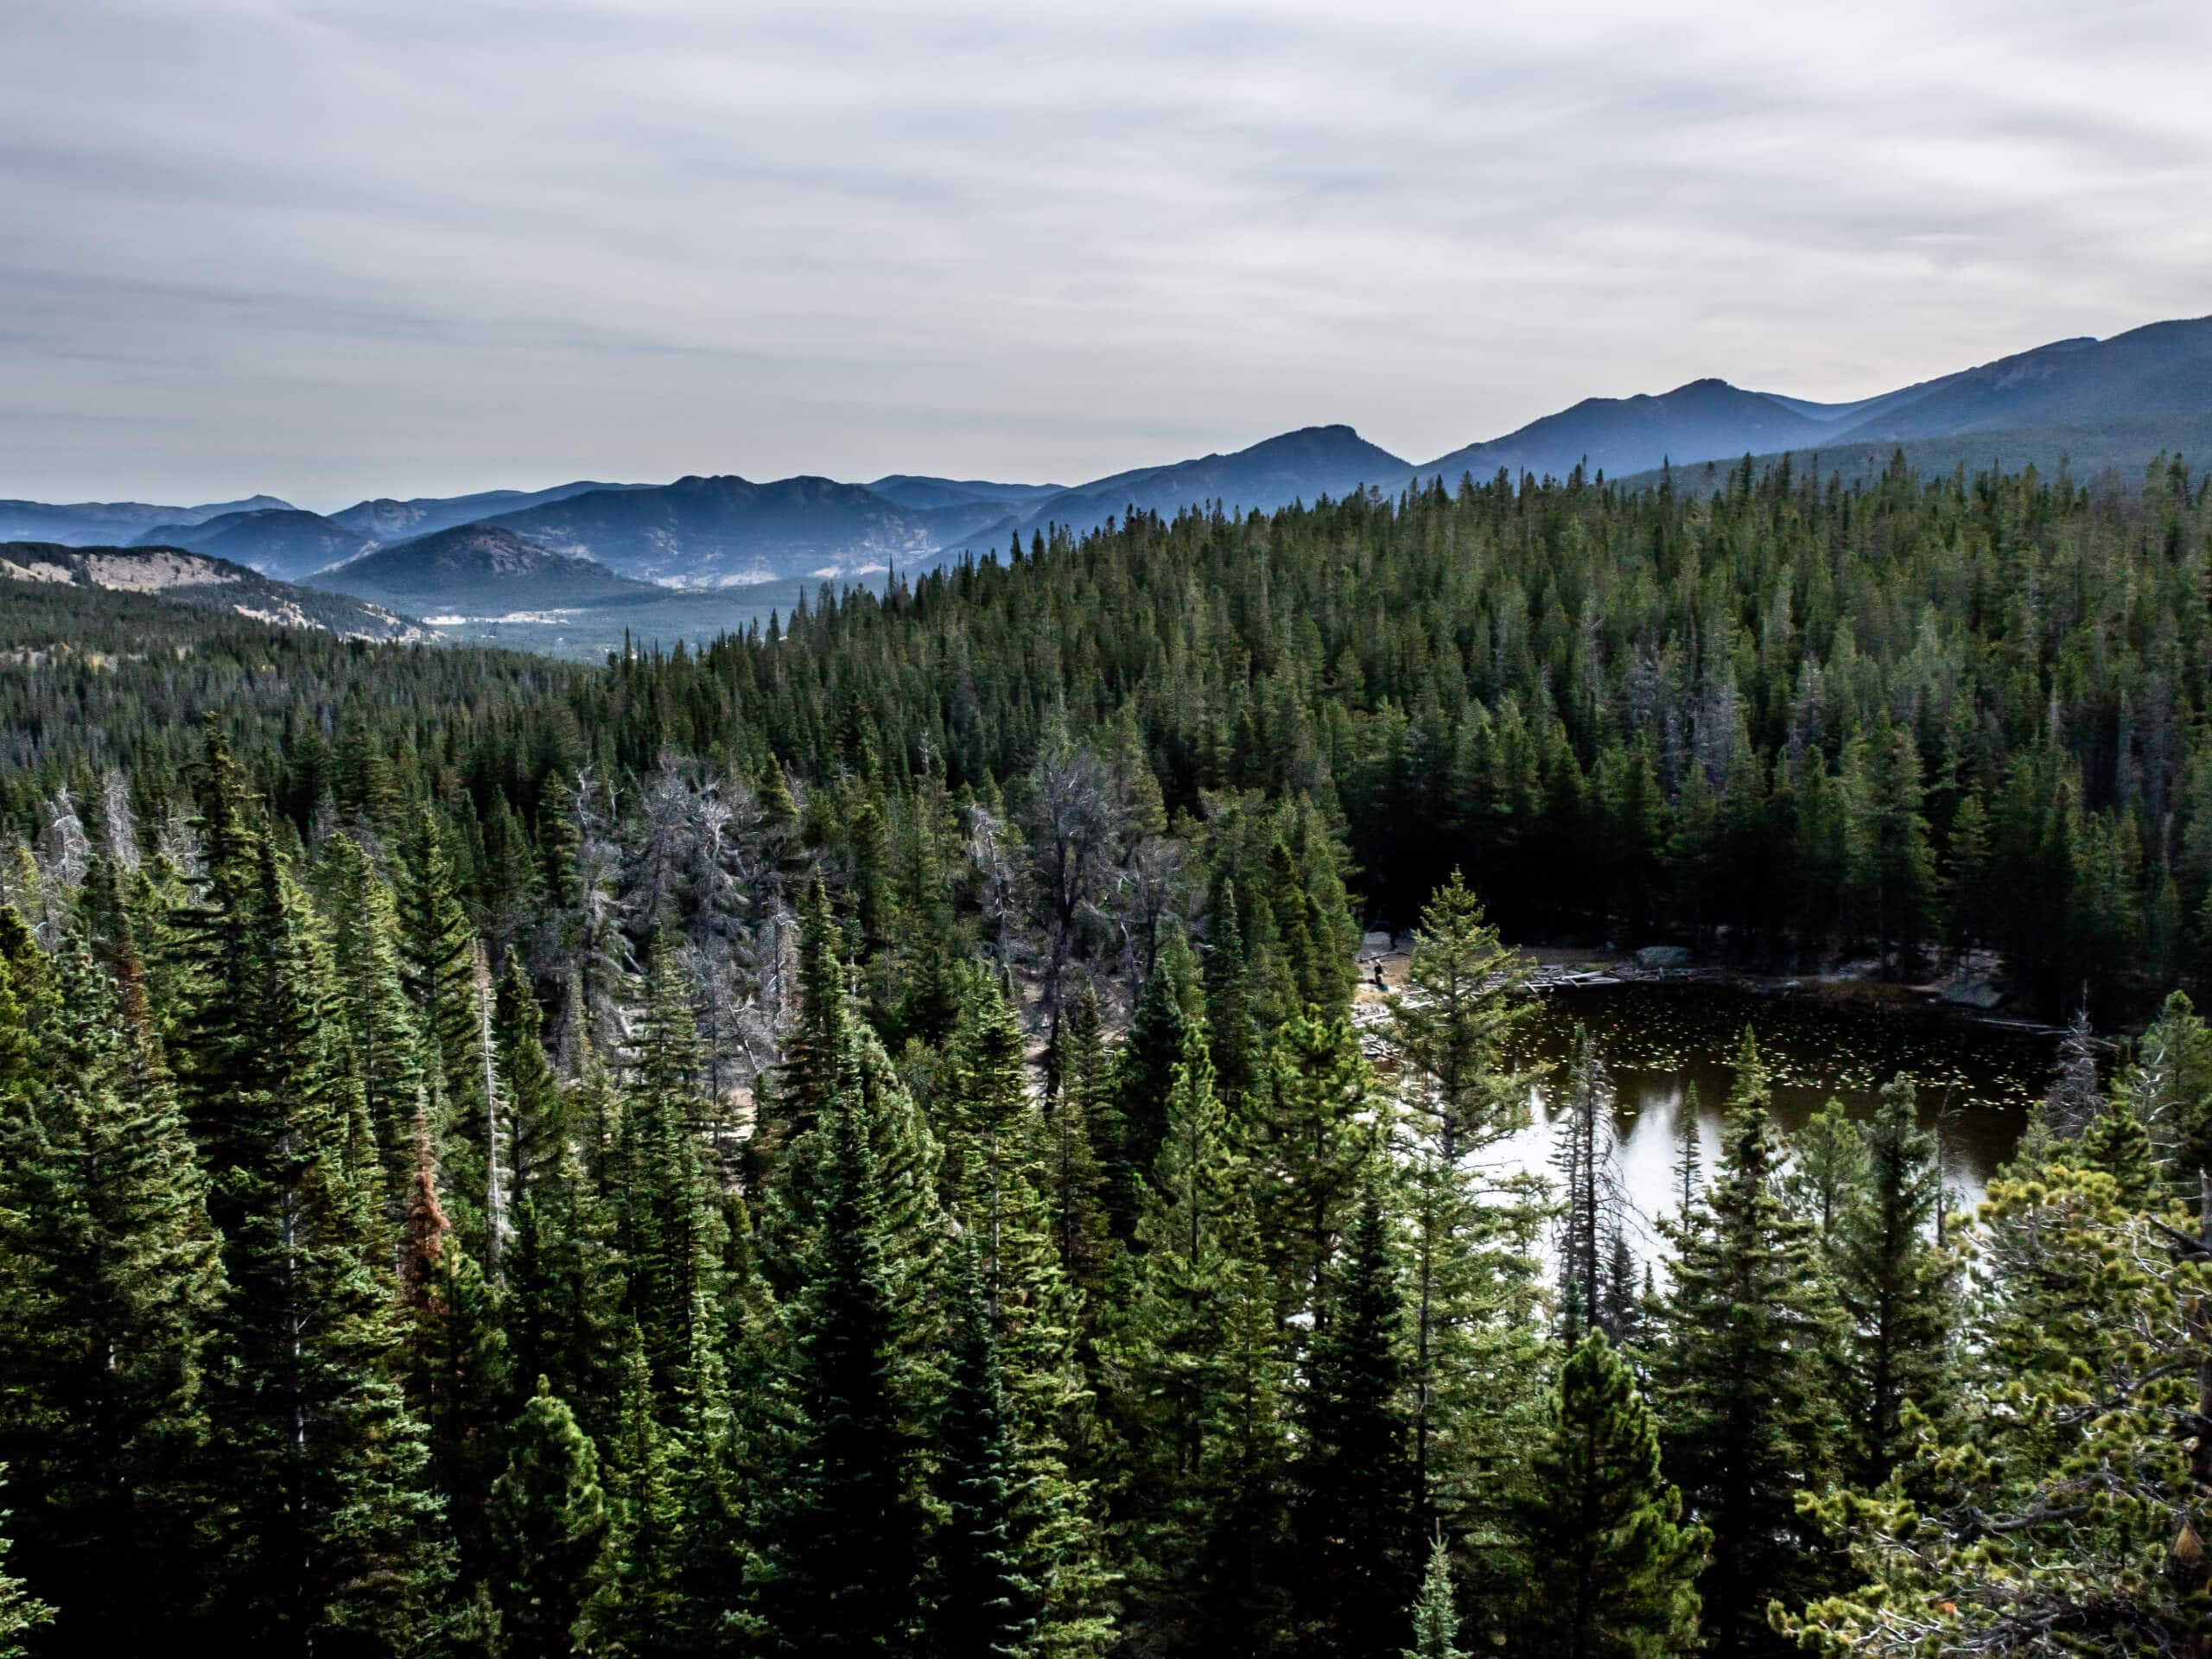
(1301, 466)
(717, 532)
(178, 576)
(83, 523)
(2100, 403)
(1622, 434)
(387, 520)
(2095, 405)
(956, 511)
(280, 542)
(2162, 369)
(909, 490)
(480, 570)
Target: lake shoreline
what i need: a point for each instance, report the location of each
(1830, 990)
(1569, 968)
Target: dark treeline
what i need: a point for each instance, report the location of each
(861, 1141)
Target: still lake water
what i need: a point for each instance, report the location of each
(1670, 1047)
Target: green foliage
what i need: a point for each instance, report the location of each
(1194, 1363)
(1472, 1267)
(1435, 1619)
(849, 1551)
(1070, 1171)
(1316, 1137)
(1898, 1288)
(319, 1460)
(548, 1523)
(1135, 1123)
(2069, 1516)
(19, 1611)
(299, 1202)
(110, 1283)
(1353, 1482)
(1614, 1561)
(982, 1601)
(1745, 1378)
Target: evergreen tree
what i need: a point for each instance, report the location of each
(548, 1524)
(849, 1549)
(1615, 1564)
(1200, 1367)
(563, 1290)
(1317, 1138)
(1037, 1319)
(814, 1050)
(109, 1289)
(1897, 1286)
(438, 968)
(1230, 1015)
(2118, 1142)
(989, 1110)
(1685, 1174)
(1353, 1482)
(1144, 1073)
(1472, 1275)
(632, 1598)
(708, 1482)
(331, 1529)
(1827, 1172)
(458, 1384)
(20, 1611)
(1136, 1121)
(1744, 1377)
(536, 1133)
(2065, 1517)
(671, 1231)
(980, 1601)
(1435, 1617)
(1590, 1222)
(385, 1047)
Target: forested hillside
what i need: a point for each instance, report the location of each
(858, 1141)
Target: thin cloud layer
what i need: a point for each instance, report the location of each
(428, 245)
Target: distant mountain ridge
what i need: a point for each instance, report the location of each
(480, 568)
(384, 519)
(1301, 466)
(84, 523)
(2165, 369)
(909, 490)
(2110, 403)
(715, 533)
(1618, 434)
(279, 542)
(196, 580)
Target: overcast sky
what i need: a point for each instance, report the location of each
(332, 248)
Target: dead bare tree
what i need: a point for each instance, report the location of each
(1076, 826)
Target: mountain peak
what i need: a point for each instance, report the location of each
(1700, 420)
(280, 542)
(480, 567)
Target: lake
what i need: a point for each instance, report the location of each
(1669, 1044)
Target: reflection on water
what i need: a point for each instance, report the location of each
(1666, 1044)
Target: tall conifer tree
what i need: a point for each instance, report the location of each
(1745, 1378)
(109, 1289)
(849, 1549)
(1353, 1482)
(1614, 1564)
(1470, 1265)
(548, 1524)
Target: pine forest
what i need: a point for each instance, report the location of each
(874, 1136)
